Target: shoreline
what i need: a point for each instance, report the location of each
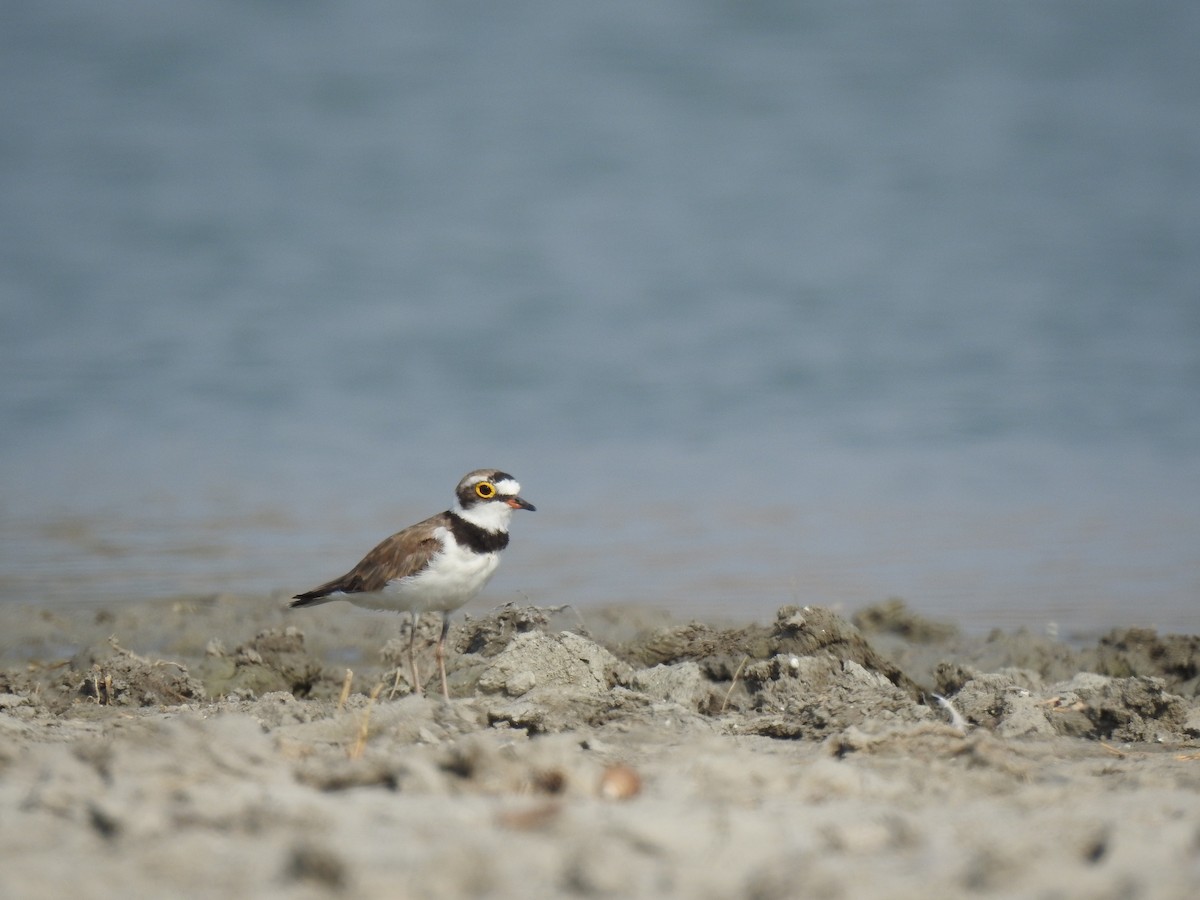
(209, 748)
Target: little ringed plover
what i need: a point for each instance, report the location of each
(436, 565)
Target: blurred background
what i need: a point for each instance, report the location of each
(762, 302)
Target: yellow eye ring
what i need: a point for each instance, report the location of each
(485, 490)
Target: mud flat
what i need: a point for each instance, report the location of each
(223, 747)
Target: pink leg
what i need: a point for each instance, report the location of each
(441, 655)
(412, 656)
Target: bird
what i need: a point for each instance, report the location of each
(436, 565)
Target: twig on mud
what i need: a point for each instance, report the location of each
(733, 684)
(1130, 754)
(346, 682)
(102, 691)
(395, 684)
(356, 751)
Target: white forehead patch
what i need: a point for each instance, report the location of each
(508, 486)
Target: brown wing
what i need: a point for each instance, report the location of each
(403, 554)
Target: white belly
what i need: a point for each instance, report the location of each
(452, 577)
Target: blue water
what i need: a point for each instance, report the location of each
(763, 302)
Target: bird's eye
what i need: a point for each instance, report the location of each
(485, 490)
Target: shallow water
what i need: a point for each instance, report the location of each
(762, 304)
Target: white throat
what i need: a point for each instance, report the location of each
(493, 516)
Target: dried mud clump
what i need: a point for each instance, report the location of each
(723, 653)
(806, 675)
(44, 687)
(131, 680)
(548, 682)
(1121, 709)
(275, 660)
(490, 635)
(894, 617)
(1141, 651)
(815, 696)
(122, 678)
(1017, 703)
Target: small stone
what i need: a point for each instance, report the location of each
(520, 683)
(620, 782)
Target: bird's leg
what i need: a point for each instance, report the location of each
(412, 655)
(441, 654)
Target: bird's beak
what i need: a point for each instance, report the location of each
(519, 503)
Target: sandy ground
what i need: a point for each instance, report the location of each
(209, 748)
